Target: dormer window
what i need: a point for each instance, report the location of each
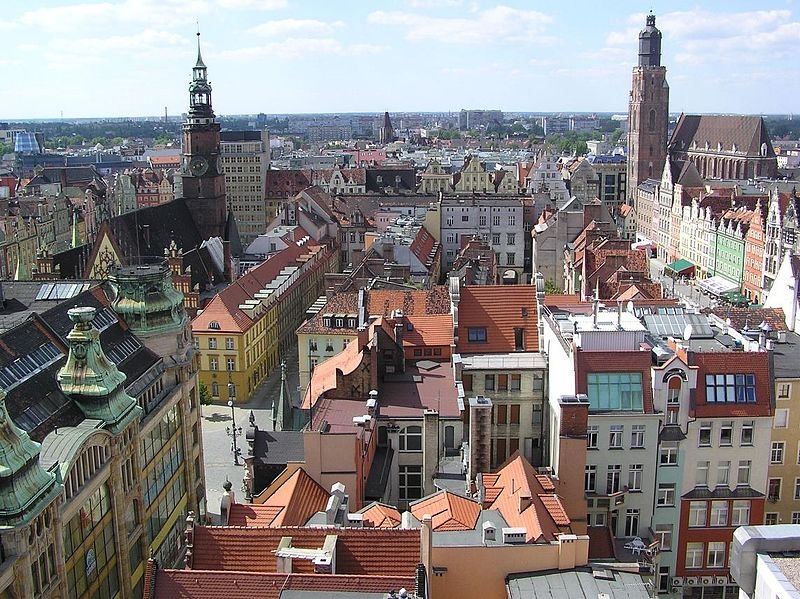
(339, 323)
(213, 325)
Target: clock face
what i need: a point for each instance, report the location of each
(198, 166)
(219, 165)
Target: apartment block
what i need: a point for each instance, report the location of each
(245, 162)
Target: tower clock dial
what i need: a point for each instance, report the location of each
(198, 166)
(219, 165)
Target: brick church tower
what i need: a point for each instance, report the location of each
(203, 177)
(648, 112)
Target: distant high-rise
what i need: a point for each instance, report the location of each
(648, 112)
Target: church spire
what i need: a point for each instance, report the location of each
(199, 63)
(282, 408)
(200, 90)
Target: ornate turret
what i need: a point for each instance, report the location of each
(200, 89)
(91, 379)
(25, 487)
(650, 44)
(146, 299)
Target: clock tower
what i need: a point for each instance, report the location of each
(203, 178)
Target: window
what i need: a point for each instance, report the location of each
(496, 220)
(701, 474)
(466, 380)
(730, 388)
(774, 489)
(795, 517)
(637, 435)
(614, 391)
(674, 391)
(776, 453)
(519, 338)
(511, 220)
(771, 518)
(723, 470)
(482, 220)
(781, 418)
(465, 218)
(694, 555)
(740, 513)
(747, 433)
(410, 486)
(698, 512)
(516, 382)
(215, 389)
(612, 478)
(501, 414)
(213, 363)
(212, 343)
(231, 363)
(514, 414)
(719, 513)
(511, 258)
(228, 342)
(743, 476)
(797, 488)
(672, 416)
(476, 334)
(592, 432)
(488, 382)
(704, 438)
(496, 239)
(668, 453)
(502, 382)
(615, 436)
(635, 477)
(665, 496)
(784, 390)
(664, 536)
(411, 438)
(716, 554)
(726, 434)
(510, 238)
(590, 478)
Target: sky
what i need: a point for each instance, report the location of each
(97, 58)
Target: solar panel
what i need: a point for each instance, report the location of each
(104, 319)
(674, 325)
(25, 367)
(45, 291)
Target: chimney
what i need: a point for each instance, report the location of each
(430, 454)
(619, 315)
(426, 546)
(480, 424)
(188, 537)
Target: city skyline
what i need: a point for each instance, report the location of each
(133, 57)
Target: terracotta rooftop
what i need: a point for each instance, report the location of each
(345, 302)
(379, 515)
(425, 247)
(324, 376)
(500, 309)
(205, 584)
(742, 318)
(428, 331)
(292, 504)
(359, 551)
(382, 302)
(448, 511)
(625, 210)
(544, 517)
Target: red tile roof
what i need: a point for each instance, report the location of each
(359, 551)
(292, 504)
(425, 247)
(379, 515)
(285, 183)
(448, 511)
(324, 377)
(752, 317)
(429, 331)
(500, 309)
(344, 302)
(204, 584)
(382, 302)
(544, 517)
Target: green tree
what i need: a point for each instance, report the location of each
(205, 396)
(550, 287)
(6, 149)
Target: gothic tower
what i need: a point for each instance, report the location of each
(203, 178)
(648, 112)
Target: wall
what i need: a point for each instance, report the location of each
(494, 564)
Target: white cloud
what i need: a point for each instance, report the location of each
(141, 47)
(435, 3)
(498, 24)
(286, 27)
(299, 48)
(254, 4)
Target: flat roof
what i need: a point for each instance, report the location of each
(512, 361)
(410, 393)
(580, 583)
(786, 357)
(789, 565)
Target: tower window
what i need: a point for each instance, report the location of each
(652, 120)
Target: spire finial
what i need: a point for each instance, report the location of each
(199, 57)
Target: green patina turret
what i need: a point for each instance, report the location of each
(146, 299)
(282, 412)
(25, 487)
(91, 380)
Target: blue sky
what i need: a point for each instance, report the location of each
(134, 57)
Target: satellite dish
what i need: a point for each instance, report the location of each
(687, 332)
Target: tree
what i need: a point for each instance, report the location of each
(551, 288)
(205, 396)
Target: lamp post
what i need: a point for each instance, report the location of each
(233, 431)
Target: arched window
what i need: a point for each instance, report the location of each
(651, 121)
(411, 438)
(674, 390)
(215, 389)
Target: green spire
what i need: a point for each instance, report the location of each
(199, 64)
(91, 379)
(25, 487)
(282, 409)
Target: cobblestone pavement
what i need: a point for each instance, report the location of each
(217, 443)
(684, 291)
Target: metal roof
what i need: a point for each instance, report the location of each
(675, 325)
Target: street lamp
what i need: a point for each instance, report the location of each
(233, 431)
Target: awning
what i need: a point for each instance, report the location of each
(735, 298)
(717, 285)
(680, 267)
